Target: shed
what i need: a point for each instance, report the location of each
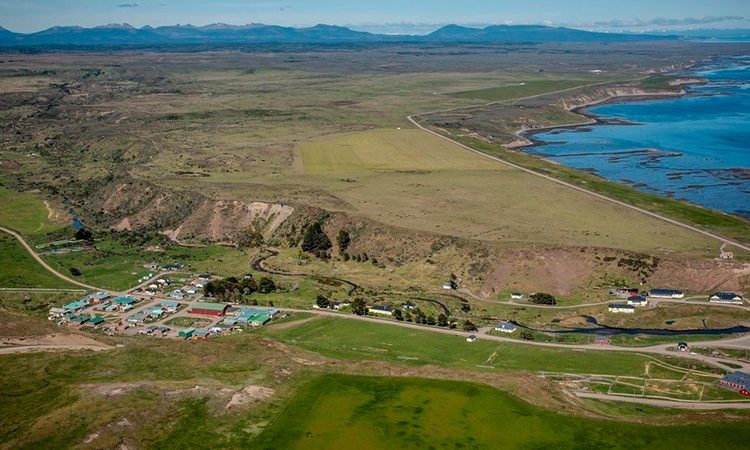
(209, 309)
(186, 333)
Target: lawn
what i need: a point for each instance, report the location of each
(350, 339)
(25, 213)
(519, 89)
(19, 270)
(344, 412)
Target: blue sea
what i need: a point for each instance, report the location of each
(695, 148)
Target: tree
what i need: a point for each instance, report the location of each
(315, 239)
(323, 302)
(343, 239)
(398, 315)
(84, 234)
(266, 285)
(431, 320)
(542, 298)
(75, 272)
(251, 238)
(359, 307)
(442, 320)
(526, 336)
(407, 316)
(469, 326)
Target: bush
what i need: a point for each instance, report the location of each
(266, 285)
(75, 272)
(469, 326)
(322, 302)
(343, 239)
(542, 298)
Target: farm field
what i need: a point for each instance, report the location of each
(26, 213)
(351, 339)
(338, 412)
(518, 89)
(479, 199)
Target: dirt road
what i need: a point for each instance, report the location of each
(702, 406)
(42, 262)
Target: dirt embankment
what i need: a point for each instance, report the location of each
(136, 205)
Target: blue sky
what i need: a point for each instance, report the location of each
(391, 16)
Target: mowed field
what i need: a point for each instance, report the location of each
(345, 412)
(519, 89)
(356, 340)
(411, 179)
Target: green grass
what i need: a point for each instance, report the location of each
(19, 270)
(351, 339)
(24, 213)
(117, 265)
(519, 89)
(344, 412)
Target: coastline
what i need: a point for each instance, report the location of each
(525, 136)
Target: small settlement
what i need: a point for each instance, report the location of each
(158, 308)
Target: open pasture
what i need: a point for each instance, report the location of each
(343, 412)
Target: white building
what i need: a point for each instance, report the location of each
(726, 298)
(621, 308)
(506, 327)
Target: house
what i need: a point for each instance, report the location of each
(178, 294)
(736, 381)
(56, 313)
(156, 329)
(339, 305)
(137, 318)
(200, 334)
(192, 290)
(209, 309)
(101, 296)
(95, 321)
(75, 306)
(170, 305)
(726, 298)
(471, 338)
(154, 312)
(621, 308)
(408, 306)
(124, 301)
(80, 319)
(624, 292)
(637, 300)
(172, 266)
(506, 327)
(204, 276)
(601, 340)
(381, 310)
(516, 296)
(448, 286)
(187, 333)
(666, 293)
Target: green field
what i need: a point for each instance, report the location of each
(352, 339)
(519, 89)
(388, 150)
(345, 412)
(24, 213)
(19, 270)
(391, 176)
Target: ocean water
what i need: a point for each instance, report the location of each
(695, 148)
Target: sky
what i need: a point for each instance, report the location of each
(384, 16)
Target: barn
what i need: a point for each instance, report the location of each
(209, 309)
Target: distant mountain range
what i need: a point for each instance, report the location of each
(222, 34)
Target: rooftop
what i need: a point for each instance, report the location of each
(211, 306)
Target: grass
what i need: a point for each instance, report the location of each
(342, 412)
(114, 264)
(25, 212)
(519, 89)
(462, 194)
(350, 339)
(19, 270)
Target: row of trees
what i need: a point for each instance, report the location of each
(542, 298)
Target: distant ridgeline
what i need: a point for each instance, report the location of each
(222, 34)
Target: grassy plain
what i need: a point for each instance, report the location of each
(25, 213)
(350, 339)
(521, 88)
(428, 184)
(343, 412)
(19, 270)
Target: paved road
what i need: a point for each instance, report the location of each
(702, 405)
(43, 262)
(584, 190)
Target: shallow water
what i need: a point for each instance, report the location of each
(695, 148)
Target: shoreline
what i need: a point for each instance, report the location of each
(526, 137)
